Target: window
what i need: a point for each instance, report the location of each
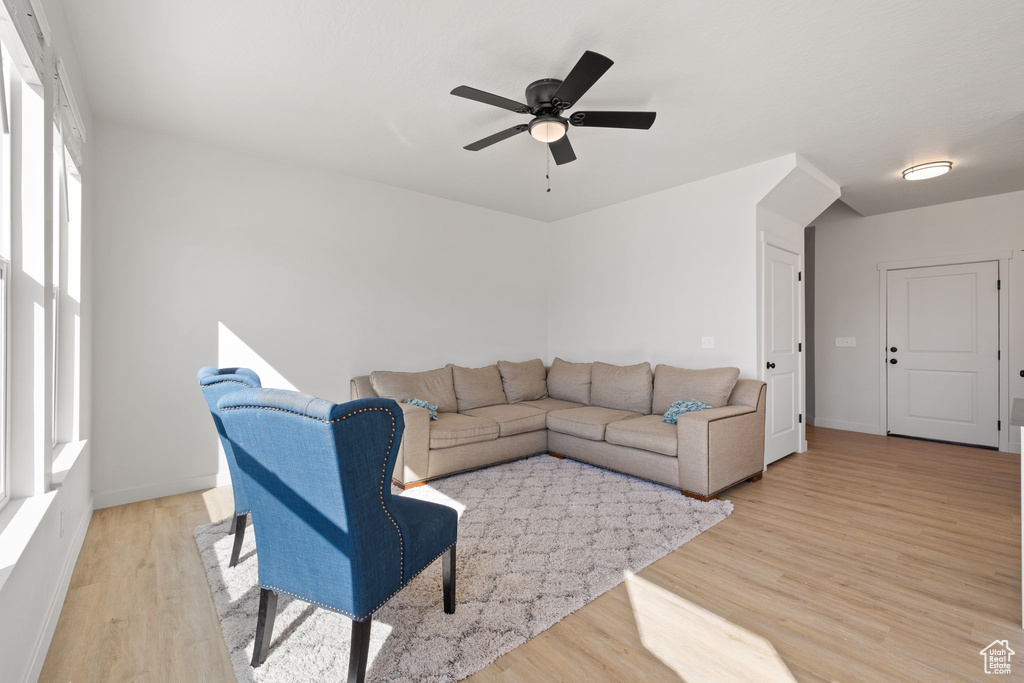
(54, 358)
(40, 281)
(59, 232)
(5, 272)
(71, 354)
(4, 469)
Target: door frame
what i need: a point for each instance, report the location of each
(1003, 258)
(767, 238)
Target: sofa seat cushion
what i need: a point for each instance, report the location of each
(649, 433)
(512, 419)
(455, 429)
(587, 422)
(549, 404)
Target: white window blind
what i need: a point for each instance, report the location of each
(25, 32)
(67, 118)
(24, 29)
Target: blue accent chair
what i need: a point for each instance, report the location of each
(215, 384)
(318, 477)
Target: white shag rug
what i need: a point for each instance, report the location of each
(538, 539)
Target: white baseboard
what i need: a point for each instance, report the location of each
(108, 499)
(53, 613)
(847, 426)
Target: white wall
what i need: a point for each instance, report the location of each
(212, 257)
(848, 251)
(646, 279)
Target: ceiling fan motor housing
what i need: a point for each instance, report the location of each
(540, 93)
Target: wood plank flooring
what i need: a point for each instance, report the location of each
(865, 559)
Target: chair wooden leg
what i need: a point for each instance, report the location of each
(360, 651)
(448, 574)
(240, 522)
(264, 626)
(756, 477)
(234, 522)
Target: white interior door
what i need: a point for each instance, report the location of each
(782, 343)
(942, 348)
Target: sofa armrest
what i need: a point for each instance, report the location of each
(360, 387)
(747, 392)
(720, 447)
(413, 452)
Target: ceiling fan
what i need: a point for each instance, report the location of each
(547, 99)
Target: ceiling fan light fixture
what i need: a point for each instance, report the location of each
(548, 129)
(929, 170)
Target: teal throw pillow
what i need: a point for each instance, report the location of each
(680, 407)
(423, 404)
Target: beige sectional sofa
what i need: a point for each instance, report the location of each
(605, 415)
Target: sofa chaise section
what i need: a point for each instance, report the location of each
(703, 454)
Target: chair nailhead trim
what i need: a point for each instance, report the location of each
(229, 381)
(380, 495)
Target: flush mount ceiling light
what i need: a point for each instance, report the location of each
(548, 128)
(930, 170)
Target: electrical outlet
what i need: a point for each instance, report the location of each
(707, 342)
(846, 341)
(62, 522)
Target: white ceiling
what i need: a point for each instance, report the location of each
(861, 89)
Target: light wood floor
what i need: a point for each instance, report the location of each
(866, 558)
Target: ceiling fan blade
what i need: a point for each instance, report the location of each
(586, 72)
(497, 137)
(614, 119)
(488, 98)
(561, 150)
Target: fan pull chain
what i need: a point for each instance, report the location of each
(547, 170)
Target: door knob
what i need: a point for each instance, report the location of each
(771, 366)
(893, 349)
(893, 361)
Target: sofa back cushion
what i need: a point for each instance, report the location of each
(622, 387)
(523, 381)
(569, 381)
(434, 386)
(712, 386)
(477, 387)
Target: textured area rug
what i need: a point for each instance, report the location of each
(538, 539)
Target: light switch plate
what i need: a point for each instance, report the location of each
(846, 341)
(707, 342)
